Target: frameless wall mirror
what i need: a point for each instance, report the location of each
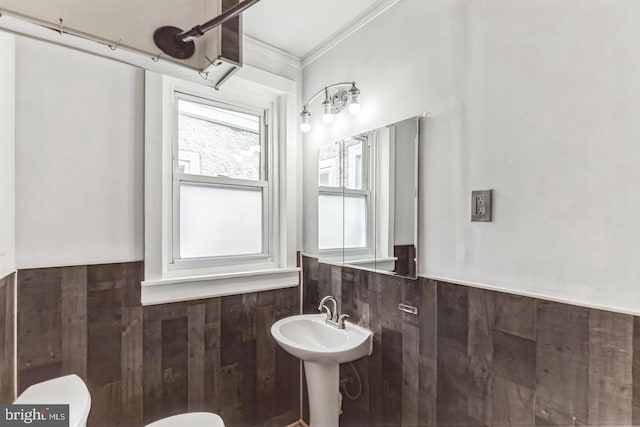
(367, 199)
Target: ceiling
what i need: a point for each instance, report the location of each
(298, 26)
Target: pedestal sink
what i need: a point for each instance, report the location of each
(322, 347)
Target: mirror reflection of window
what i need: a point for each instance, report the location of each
(357, 193)
(354, 163)
(355, 221)
(330, 221)
(329, 157)
(327, 174)
(344, 202)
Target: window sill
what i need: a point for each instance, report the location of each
(201, 287)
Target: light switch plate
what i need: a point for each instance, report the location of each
(481, 205)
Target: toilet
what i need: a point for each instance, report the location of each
(72, 390)
(193, 419)
(69, 390)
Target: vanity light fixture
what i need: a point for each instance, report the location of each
(336, 99)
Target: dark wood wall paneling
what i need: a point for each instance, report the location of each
(7, 347)
(145, 363)
(399, 378)
(470, 356)
(474, 357)
(523, 361)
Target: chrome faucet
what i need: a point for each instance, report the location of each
(332, 315)
(333, 318)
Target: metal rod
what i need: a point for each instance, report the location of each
(231, 13)
(322, 91)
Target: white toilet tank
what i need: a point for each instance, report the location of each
(69, 390)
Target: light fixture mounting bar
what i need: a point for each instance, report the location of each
(324, 89)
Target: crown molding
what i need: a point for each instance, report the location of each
(353, 26)
(271, 51)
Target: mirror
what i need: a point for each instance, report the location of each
(367, 199)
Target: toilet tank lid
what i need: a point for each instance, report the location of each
(69, 390)
(192, 419)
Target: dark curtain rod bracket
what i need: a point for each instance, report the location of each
(179, 44)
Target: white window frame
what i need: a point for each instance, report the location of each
(264, 183)
(166, 281)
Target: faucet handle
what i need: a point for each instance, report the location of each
(341, 320)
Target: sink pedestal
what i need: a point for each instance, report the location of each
(324, 393)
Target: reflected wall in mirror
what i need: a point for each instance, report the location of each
(367, 199)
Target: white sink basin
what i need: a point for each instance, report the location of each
(310, 338)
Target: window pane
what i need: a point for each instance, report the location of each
(218, 142)
(354, 169)
(330, 221)
(219, 221)
(355, 221)
(329, 165)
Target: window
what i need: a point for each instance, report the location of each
(220, 204)
(344, 196)
(221, 189)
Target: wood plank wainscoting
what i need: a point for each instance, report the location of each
(470, 356)
(7, 347)
(473, 357)
(145, 363)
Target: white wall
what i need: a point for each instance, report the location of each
(131, 23)
(79, 164)
(80, 126)
(7, 154)
(535, 99)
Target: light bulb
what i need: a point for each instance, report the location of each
(354, 108)
(327, 118)
(305, 126)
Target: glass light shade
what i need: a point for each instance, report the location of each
(354, 99)
(327, 118)
(305, 126)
